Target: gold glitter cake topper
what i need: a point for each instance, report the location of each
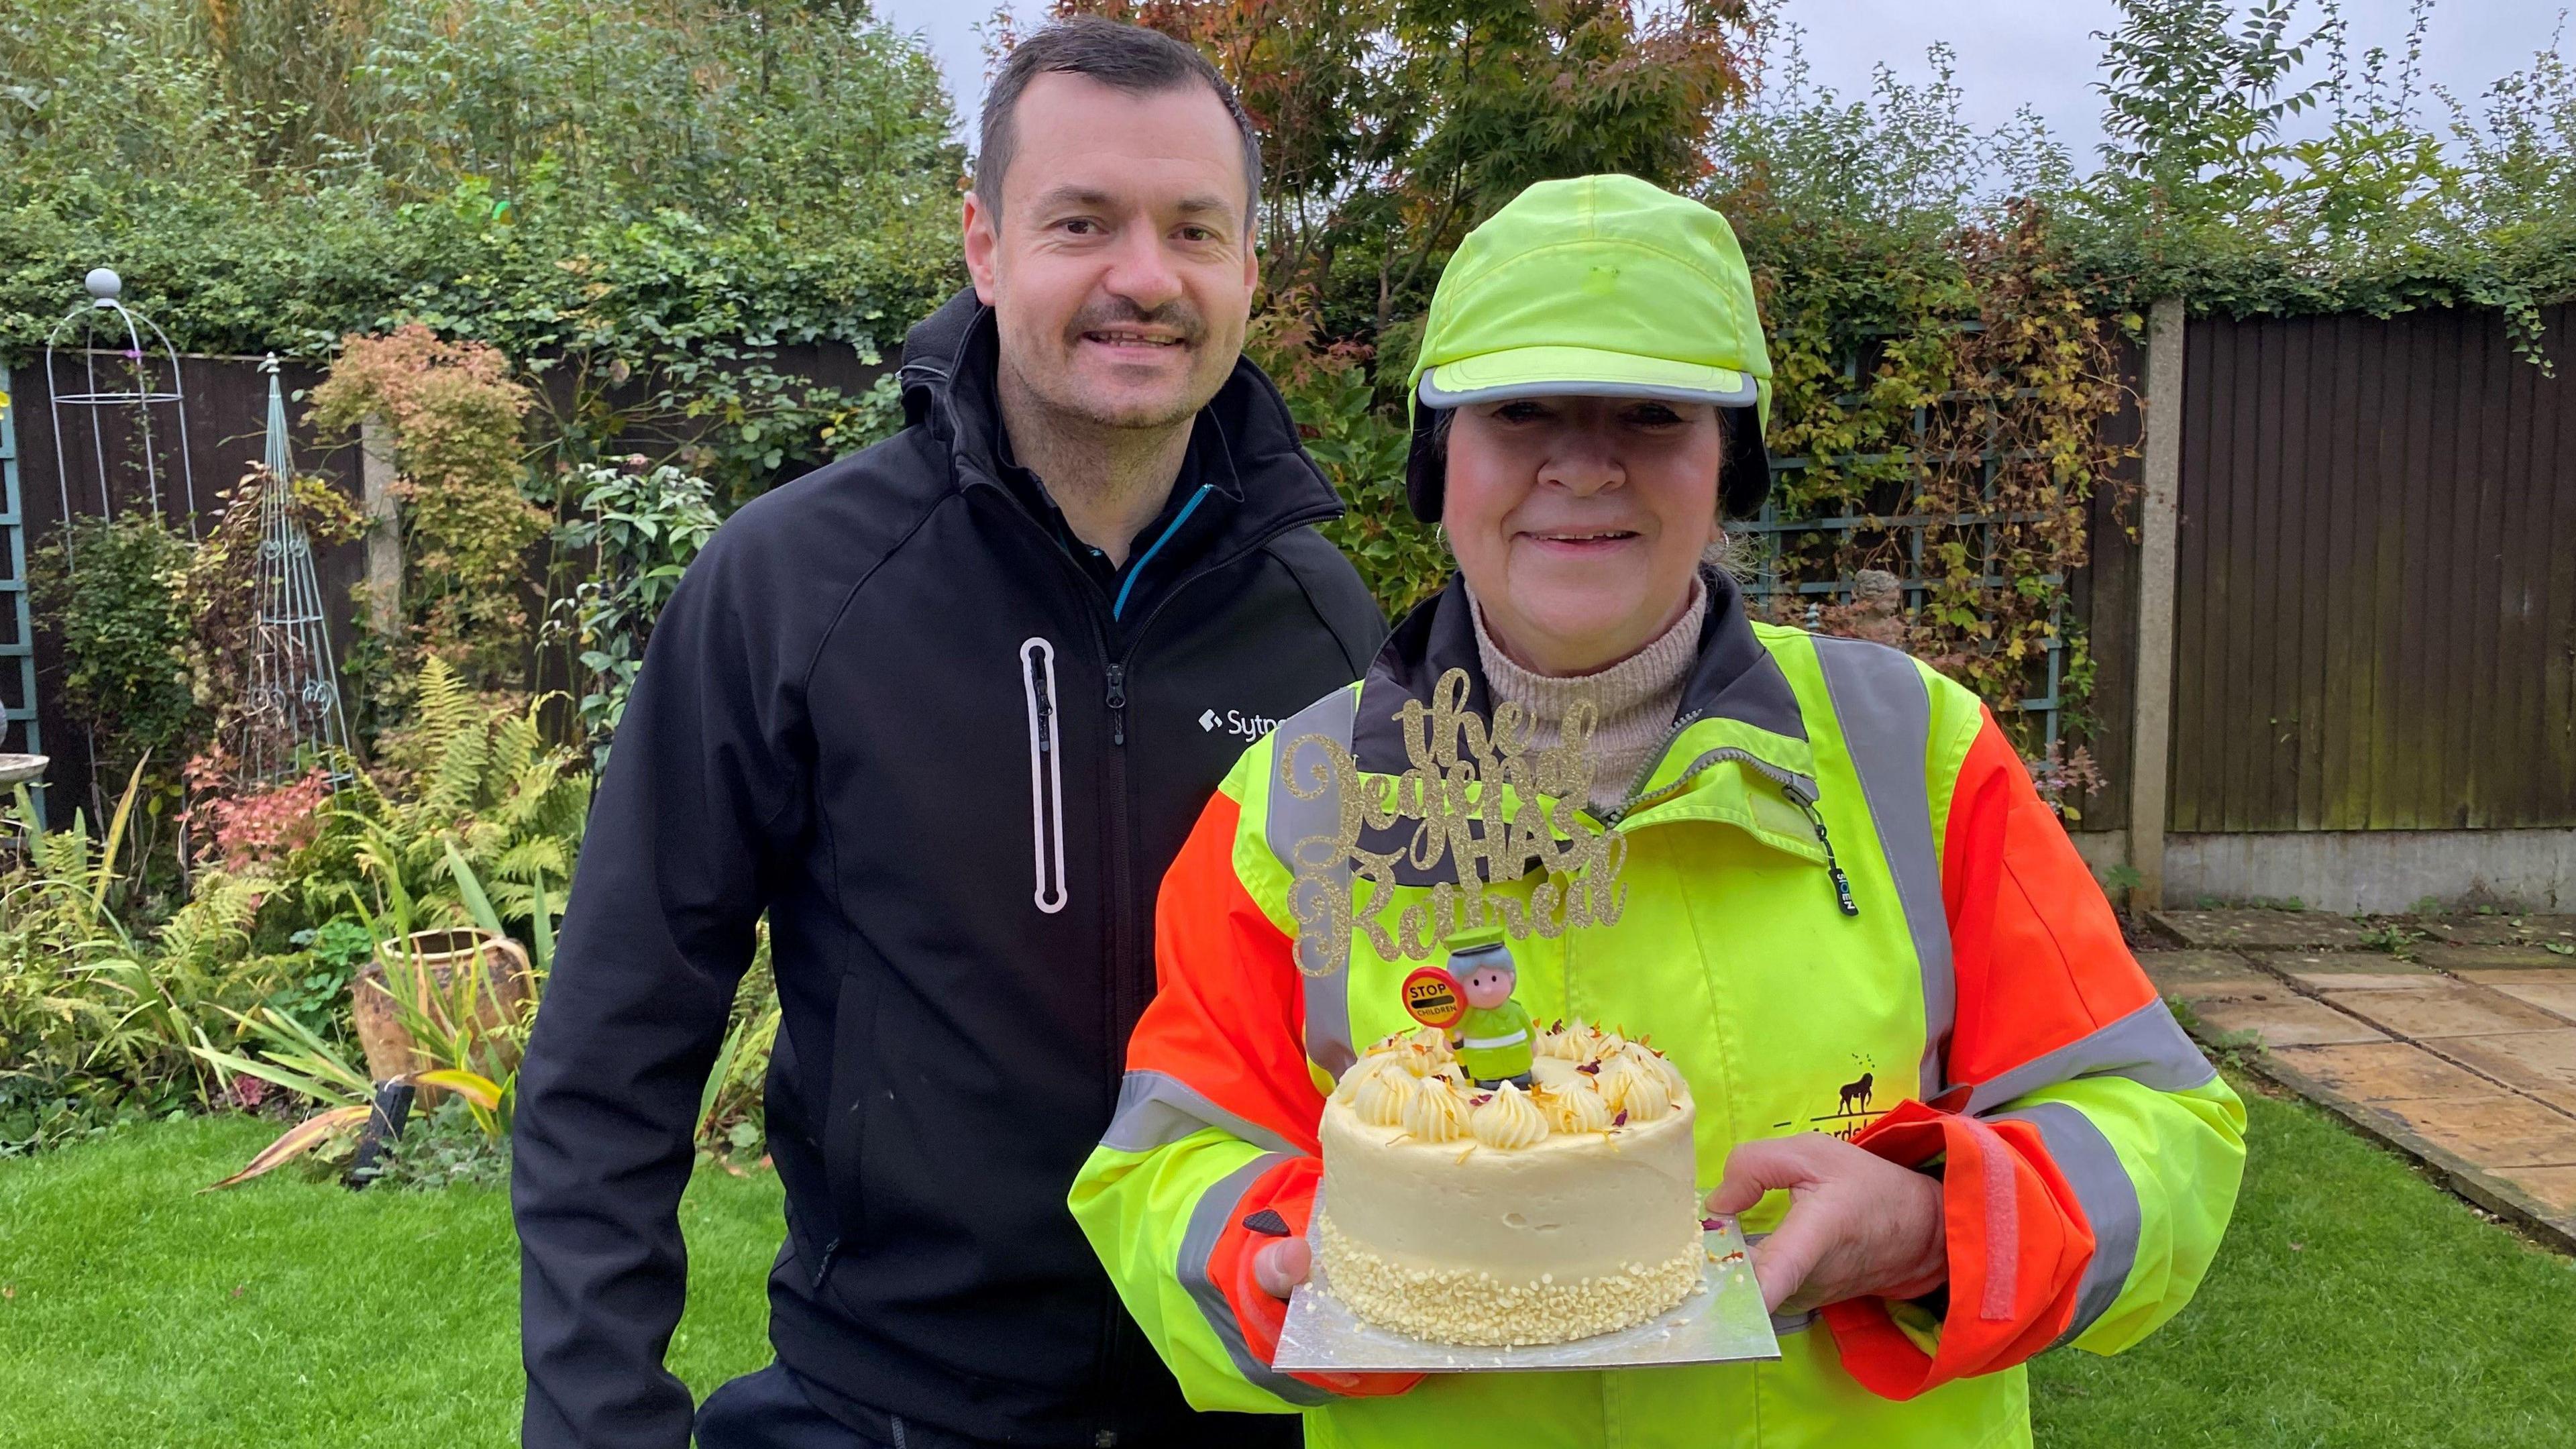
(1478, 796)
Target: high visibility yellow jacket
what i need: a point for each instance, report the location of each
(1848, 911)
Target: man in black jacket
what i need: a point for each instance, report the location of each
(944, 710)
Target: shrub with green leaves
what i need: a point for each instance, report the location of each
(105, 588)
(640, 527)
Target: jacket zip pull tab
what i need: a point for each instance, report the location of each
(1117, 704)
(1046, 776)
(1833, 868)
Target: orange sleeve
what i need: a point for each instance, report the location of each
(2041, 970)
(1228, 1022)
(2036, 950)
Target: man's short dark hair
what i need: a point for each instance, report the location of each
(1129, 57)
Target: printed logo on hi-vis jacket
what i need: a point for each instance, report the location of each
(1855, 1104)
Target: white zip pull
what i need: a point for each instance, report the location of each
(1046, 774)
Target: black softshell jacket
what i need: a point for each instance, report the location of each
(887, 706)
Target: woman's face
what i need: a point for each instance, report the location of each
(1579, 521)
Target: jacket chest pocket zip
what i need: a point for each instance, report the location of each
(1046, 774)
(1833, 867)
(1796, 789)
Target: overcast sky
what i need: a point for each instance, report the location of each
(2010, 52)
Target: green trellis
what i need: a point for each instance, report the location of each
(21, 647)
(1772, 532)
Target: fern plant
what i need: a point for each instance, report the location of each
(470, 772)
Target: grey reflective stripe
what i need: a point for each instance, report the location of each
(2086, 1159)
(1290, 820)
(1216, 1208)
(1886, 718)
(1157, 1109)
(2146, 1046)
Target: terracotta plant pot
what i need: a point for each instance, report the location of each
(437, 965)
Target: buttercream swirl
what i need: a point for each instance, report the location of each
(1437, 1113)
(1575, 1106)
(1566, 1043)
(1546, 1071)
(1661, 1065)
(1381, 1097)
(1638, 1089)
(1508, 1120)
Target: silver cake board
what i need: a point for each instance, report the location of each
(1722, 1321)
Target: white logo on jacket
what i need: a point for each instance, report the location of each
(1235, 722)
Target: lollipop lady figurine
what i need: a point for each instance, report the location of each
(1493, 1038)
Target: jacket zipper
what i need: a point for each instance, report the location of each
(1046, 774)
(1790, 786)
(1117, 668)
(1833, 869)
(1647, 771)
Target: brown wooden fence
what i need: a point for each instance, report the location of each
(2375, 622)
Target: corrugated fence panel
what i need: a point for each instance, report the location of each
(2376, 613)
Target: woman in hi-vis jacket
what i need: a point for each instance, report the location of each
(1925, 1063)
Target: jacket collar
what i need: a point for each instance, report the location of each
(1246, 437)
(1738, 713)
(1734, 677)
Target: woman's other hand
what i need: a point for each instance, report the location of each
(1859, 1226)
(1279, 1267)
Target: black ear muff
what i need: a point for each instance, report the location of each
(1426, 473)
(1746, 480)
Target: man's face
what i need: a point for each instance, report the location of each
(1120, 269)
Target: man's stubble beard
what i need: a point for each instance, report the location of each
(1072, 407)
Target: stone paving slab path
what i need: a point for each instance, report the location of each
(2387, 1071)
(2555, 1187)
(2232, 930)
(2551, 991)
(2500, 930)
(2451, 1008)
(2541, 1063)
(2210, 975)
(2491, 958)
(2469, 1070)
(2283, 1018)
(2335, 971)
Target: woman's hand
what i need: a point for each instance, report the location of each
(1859, 1226)
(1280, 1266)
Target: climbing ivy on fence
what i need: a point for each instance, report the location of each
(1954, 439)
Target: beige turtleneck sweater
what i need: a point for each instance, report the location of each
(1637, 697)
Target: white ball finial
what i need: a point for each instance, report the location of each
(103, 284)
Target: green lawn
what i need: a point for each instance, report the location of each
(2354, 1305)
(288, 1313)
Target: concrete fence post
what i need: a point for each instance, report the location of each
(2159, 522)
(384, 526)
